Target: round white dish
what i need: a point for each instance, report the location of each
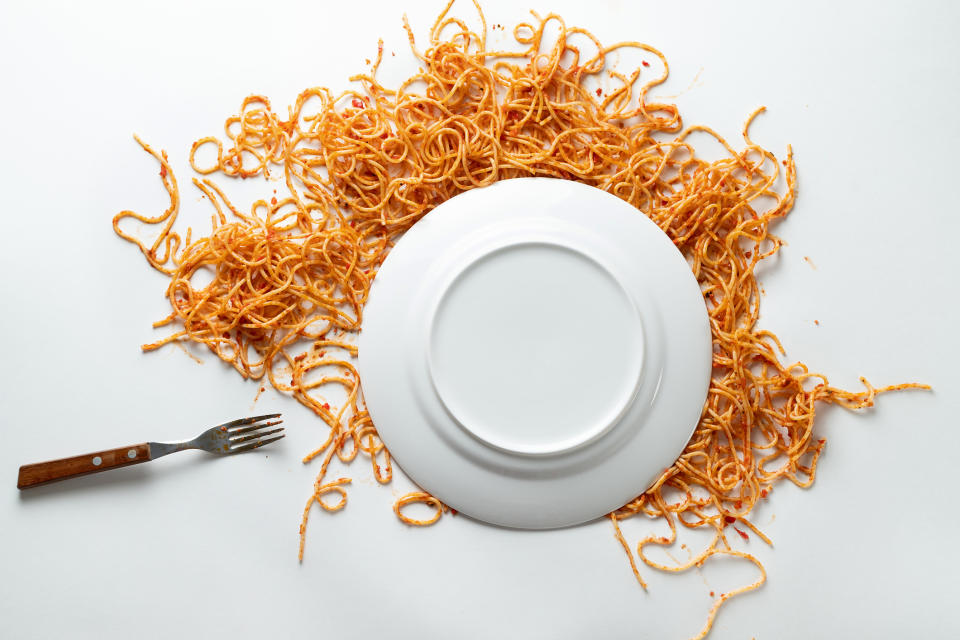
(535, 353)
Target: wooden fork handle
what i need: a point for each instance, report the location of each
(32, 475)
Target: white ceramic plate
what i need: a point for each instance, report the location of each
(535, 353)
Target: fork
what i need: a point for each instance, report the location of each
(237, 436)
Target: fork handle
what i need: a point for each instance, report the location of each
(32, 475)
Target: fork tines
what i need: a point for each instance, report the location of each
(242, 421)
(248, 434)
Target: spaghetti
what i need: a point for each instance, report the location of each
(290, 278)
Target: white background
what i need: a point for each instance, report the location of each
(191, 545)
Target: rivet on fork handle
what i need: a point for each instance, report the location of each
(33, 475)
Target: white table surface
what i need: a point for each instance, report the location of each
(201, 547)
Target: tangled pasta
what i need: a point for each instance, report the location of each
(288, 280)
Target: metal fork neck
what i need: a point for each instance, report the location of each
(160, 449)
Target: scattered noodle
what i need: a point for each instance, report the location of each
(419, 497)
(626, 548)
(333, 487)
(290, 278)
(168, 238)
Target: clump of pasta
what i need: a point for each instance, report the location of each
(291, 276)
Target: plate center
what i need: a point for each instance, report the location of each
(536, 348)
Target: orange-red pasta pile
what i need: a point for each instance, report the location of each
(286, 282)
